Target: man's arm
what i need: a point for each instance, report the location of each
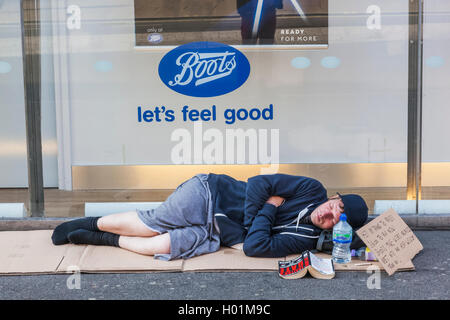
(261, 243)
(260, 188)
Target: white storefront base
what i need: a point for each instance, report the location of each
(12, 210)
(409, 206)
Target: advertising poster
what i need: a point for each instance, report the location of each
(178, 85)
(278, 23)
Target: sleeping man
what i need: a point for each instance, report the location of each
(271, 215)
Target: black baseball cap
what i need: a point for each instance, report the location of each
(355, 208)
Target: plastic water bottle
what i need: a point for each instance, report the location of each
(342, 238)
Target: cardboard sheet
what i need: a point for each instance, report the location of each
(32, 252)
(26, 252)
(112, 259)
(71, 258)
(359, 265)
(356, 264)
(229, 259)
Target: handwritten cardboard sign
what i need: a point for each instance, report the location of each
(391, 240)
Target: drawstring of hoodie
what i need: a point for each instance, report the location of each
(301, 214)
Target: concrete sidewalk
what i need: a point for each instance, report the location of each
(430, 280)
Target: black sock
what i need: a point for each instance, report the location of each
(60, 233)
(99, 238)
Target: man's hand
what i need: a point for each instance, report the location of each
(276, 201)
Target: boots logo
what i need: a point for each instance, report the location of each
(204, 69)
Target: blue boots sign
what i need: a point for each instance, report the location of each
(204, 69)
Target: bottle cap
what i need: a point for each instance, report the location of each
(343, 217)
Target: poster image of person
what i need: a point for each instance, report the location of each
(258, 20)
(283, 23)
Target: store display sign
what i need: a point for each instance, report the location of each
(278, 23)
(204, 69)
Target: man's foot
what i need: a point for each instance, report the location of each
(61, 232)
(99, 238)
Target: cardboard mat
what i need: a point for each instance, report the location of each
(32, 252)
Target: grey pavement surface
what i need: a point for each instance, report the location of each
(430, 280)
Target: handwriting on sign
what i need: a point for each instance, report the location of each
(391, 240)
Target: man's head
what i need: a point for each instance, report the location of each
(328, 213)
